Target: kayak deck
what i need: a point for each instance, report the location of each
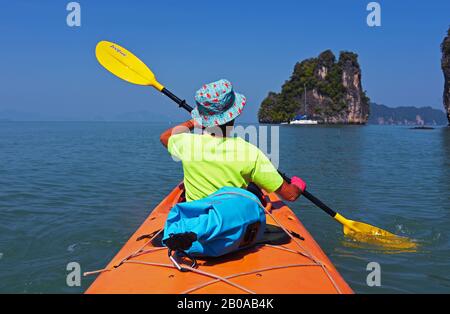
(299, 266)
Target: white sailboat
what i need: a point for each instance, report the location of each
(303, 119)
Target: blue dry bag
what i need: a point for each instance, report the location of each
(227, 220)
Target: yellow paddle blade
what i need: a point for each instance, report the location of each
(125, 65)
(366, 233)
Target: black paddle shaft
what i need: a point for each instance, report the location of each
(319, 203)
(312, 198)
(183, 104)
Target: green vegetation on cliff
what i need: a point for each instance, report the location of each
(445, 46)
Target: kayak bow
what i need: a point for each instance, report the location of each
(297, 266)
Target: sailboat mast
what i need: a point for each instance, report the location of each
(304, 86)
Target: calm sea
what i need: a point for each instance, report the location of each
(76, 191)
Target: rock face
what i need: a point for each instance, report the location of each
(445, 63)
(333, 92)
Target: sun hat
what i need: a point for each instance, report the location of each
(217, 104)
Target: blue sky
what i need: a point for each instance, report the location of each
(50, 69)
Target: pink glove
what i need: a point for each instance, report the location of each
(298, 183)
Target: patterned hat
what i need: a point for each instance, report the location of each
(217, 104)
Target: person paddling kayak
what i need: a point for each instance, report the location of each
(214, 159)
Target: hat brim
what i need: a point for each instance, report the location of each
(221, 118)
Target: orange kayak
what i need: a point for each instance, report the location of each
(290, 261)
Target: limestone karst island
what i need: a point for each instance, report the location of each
(324, 89)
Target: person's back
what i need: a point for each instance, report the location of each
(211, 162)
(212, 159)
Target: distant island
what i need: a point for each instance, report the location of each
(321, 88)
(383, 115)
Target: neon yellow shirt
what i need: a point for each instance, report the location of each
(210, 163)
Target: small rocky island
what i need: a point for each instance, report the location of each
(322, 88)
(445, 63)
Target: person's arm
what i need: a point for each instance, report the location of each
(184, 127)
(291, 191)
(266, 177)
